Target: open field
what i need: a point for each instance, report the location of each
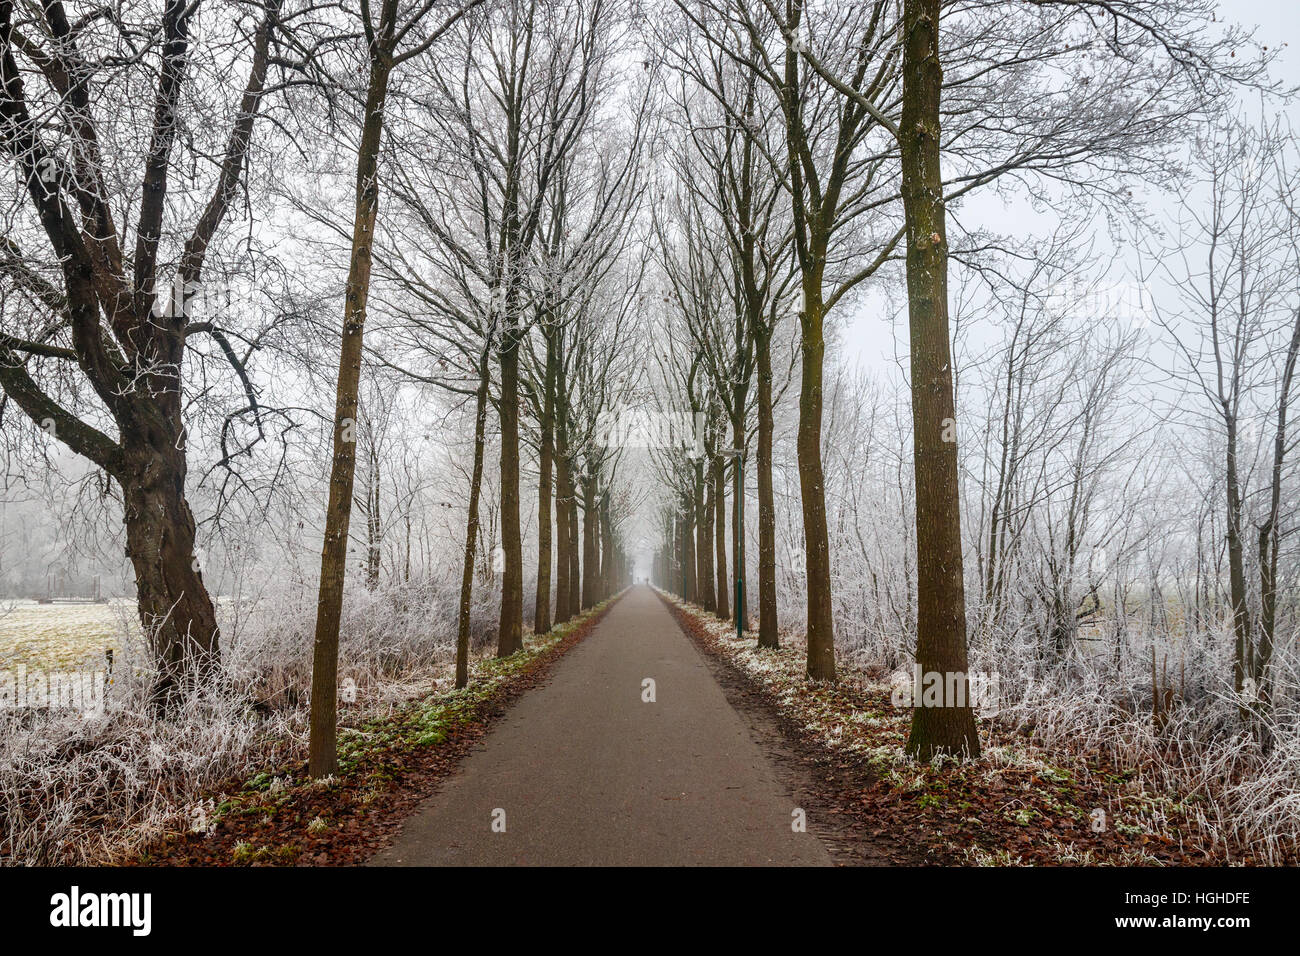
(62, 635)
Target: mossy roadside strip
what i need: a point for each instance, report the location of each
(278, 816)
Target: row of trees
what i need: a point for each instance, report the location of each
(516, 293)
(810, 159)
(592, 209)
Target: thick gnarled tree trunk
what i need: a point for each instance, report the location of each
(130, 357)
(175, 610)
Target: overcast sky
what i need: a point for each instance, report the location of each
(869, 335)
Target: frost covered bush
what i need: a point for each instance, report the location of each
(1242, 782)
(1242, 777)
(79, 789)
(405, 630)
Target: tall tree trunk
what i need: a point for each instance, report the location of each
(1241, 664)
(767, 635)
(598, 578)
(561, 555)
(575, 543)
(1268, 542)
(565, 532)
(738, 513)
(323, 749)
(680, 574)
(704, 537)
(510, 632)
(690, 570)
(720, 535)
(666, 571)
(941, 601)
(562, 532)
(374, 528)
(542, 606)
(812, 488)
(472, 521)
(590, 559)
(1270, 533)
(609, 553)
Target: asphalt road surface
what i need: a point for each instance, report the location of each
(583, 771)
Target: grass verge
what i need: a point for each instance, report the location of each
(278, 816)
(1018, 805)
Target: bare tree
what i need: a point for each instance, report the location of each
(384, 37)
(101, 319)
(1237, 339)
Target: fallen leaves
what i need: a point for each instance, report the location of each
(1019, 805)
(279, 817)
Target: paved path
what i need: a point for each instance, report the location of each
(588, 774)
